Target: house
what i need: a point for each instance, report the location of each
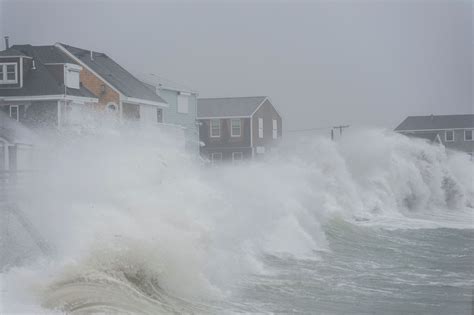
(39, 85)
(453, 131)
(236, 128)
(117, 89)
(16, 145)
(181, 110)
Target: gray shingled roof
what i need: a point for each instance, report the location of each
(436, 122)
(10, 52)
(115, 74)
(40, 81)
(45, 54)
(228, 106)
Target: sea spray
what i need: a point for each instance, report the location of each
(128, 209)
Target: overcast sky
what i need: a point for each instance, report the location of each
(321, 62)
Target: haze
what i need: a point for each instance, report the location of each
(322, 63)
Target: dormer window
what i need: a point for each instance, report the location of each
(8, 73)
(72, 76)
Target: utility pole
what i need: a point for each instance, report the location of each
(341, 127)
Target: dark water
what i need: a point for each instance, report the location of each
(372, 271)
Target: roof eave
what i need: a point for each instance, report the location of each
(134, 100)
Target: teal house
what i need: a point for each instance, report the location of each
(182, 108)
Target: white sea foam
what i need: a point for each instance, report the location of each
(130, 210)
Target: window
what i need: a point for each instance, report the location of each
(183, 104)
(216, 157)
(260, 127)
(449, 135)
(8, 73)
(72, 80)
(159, 115)
(260, 150)
(237, 156)
(468, 135)
(15, 112)
(275, 129)
(235, 128)
(111, 107)
(215, 127)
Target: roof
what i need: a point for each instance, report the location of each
(228, 106)
(164, 84)
(114, 74)
(436, 122)
(41, 81)
(45, 54)
(10, 52)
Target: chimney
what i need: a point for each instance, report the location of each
(6, 42)
(92, 55)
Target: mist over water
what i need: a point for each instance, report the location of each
(139, 226)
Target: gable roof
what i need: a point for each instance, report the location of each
(41, 81)
(436, 122)
(114, 74)
(45, 54)
(164, 84)
(11, 52)
(228, 106)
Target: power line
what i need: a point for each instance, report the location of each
(308, 129)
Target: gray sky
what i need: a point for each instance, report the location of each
(321, 62)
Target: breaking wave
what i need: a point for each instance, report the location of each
(140, 227)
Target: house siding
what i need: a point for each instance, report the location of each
(268, 113)
(186, 120)
(225, 144)
(458, 144)
(94, 85)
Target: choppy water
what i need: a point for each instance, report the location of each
(373, 271)
(374, 224)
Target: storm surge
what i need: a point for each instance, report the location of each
(139, 226)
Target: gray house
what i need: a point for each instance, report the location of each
(181, 110)
(453, 131)
(236, 128)
(39, 85)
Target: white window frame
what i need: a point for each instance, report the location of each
(210, 128)
(17, 118)
(159, 110)
(472, 134)
(4, 79)
(234, 154)
(214, 155)
(182, 104)
(275, 129)
(260, 127)
(232, 128)
(260, 150)
(446, 136)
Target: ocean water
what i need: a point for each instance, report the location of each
(375, 223)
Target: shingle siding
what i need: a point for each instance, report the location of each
(420, 125)
(186, 120)
(268, 113)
